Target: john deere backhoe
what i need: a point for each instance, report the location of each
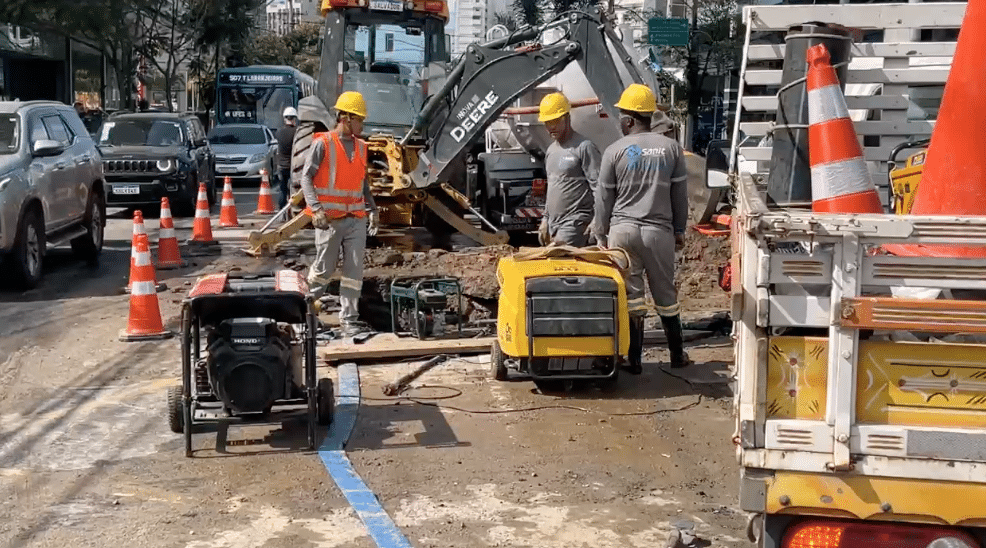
(425, 118)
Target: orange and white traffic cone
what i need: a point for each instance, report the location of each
(227, 215)
(202, 226)
(840, 181)
(144, 322)
(137, 230)
(954, 178)
(168, 254)
(265, 202)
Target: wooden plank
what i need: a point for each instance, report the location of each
(915, 75)
(936, 316)
(388, 345)
(773, 52)
(768, 103)
(860, 16)
(862, 128)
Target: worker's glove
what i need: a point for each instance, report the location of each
(679, 241)
(374, 224)
(543, 237)
(320, 219)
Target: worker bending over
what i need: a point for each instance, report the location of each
(572, 164)
(338, 194)
(641, 207)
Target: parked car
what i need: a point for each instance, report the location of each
(242, 150)
(148, 155)
(51, 188)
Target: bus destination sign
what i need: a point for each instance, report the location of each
(254, 78)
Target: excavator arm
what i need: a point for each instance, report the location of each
(490, 76)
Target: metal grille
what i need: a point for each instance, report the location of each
(230, 159)
(130, 166)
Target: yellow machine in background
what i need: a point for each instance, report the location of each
(562, 316)
(904, 180)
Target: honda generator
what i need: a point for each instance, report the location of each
(248, 355)
(560, 319)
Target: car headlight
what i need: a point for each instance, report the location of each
(165, 165)
(257, 157)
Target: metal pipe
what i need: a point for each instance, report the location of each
(534, 110)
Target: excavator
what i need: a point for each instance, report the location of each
(426, 125)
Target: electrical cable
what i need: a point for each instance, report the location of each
(420, 400)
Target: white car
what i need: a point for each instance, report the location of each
(242, 151)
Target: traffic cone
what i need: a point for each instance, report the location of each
(265, 202)
(202, 226)
(840, 181)
(227, 215)
(137, 230)
(954, 178)
(168, 254)
(144, 322)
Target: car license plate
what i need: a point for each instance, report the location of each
(386, 6)
(226, 169)
(126, 189)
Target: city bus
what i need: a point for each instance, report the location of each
(258, 94)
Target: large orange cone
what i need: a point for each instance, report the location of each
(227, 215)
(168, 254)
(144, 322)
(265, 202)
(840, 181)
(202, 226)
(954, 179)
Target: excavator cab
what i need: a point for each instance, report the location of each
(388, 50)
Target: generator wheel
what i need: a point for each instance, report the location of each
(176, 420)
(498, 362)
(325, 402)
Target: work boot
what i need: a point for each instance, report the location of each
(676, 341)
(636, 351)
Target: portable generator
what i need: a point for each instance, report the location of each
(425, 307)
(248, 355)
(560, 319)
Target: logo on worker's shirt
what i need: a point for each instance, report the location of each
(635, 153)
(568, 162)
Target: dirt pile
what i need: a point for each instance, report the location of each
(698, 272)
(474, 267)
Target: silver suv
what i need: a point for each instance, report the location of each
(51, 187)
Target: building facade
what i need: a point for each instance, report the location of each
(283, 16)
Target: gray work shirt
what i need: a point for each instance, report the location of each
(573, 168)
(643, 180)
(314, 160)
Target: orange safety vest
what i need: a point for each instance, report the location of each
(339, 180)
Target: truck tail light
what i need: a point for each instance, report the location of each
(836, 534)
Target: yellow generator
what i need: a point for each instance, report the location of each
(562, 316)
(904, 180)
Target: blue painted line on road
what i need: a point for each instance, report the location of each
(382, 529)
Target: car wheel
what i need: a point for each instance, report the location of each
(29, 250)
(89, 247)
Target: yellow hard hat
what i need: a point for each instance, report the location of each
(638, 98)
(351, 102)
(553, 106)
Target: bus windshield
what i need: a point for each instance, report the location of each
(253, 104)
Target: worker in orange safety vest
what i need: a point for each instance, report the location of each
(334, 181)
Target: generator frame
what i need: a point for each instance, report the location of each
(212, 301)
(401, 291)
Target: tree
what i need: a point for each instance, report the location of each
(298, 48)
(221, 30)
(508, 20)
(163, 41)
(712, 51)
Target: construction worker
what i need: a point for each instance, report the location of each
(285, 138)
(572, 163)
(337, 191)
(641, 207)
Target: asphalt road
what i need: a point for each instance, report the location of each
(87, 459)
